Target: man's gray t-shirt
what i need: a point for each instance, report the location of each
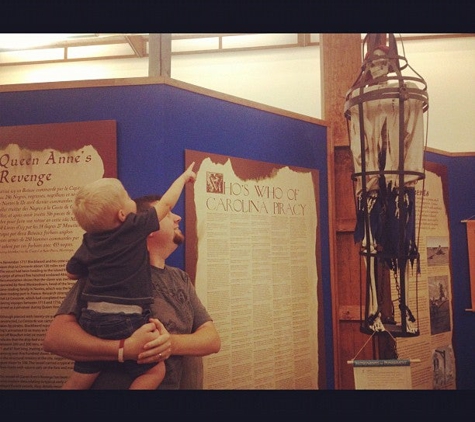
(177, 306)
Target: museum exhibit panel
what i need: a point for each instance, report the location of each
(366, 282)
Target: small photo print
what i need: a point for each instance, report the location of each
(439, 304)
(437, 251)
(443, 363)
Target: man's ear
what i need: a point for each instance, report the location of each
(121, 215)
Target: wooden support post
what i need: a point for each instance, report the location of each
(340, 63)
(159, 59)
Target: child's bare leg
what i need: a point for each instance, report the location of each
(151, 379)
(78, 381)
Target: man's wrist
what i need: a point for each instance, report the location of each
(120, 353)
(130, 349)
(173, 337)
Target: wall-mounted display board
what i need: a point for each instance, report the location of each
(157, 119)
(432, 289)
(41, 169)
(253, 249)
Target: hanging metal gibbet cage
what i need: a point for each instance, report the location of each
(384, 110)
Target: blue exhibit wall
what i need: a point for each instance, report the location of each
(156, 123)
(461, 192)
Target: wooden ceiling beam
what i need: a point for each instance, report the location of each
(138, 44)
(304, 40)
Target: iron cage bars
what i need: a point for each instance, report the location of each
(390, 86)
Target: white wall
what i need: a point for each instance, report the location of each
(285, 78)
(448, 67)
(289, 79)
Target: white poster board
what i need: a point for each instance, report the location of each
(256, 272)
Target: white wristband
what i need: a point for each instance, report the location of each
(120, 355)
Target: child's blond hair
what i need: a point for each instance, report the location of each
(96, 204)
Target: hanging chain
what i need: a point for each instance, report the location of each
(398, 288)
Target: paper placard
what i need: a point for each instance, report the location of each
(389, 374)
